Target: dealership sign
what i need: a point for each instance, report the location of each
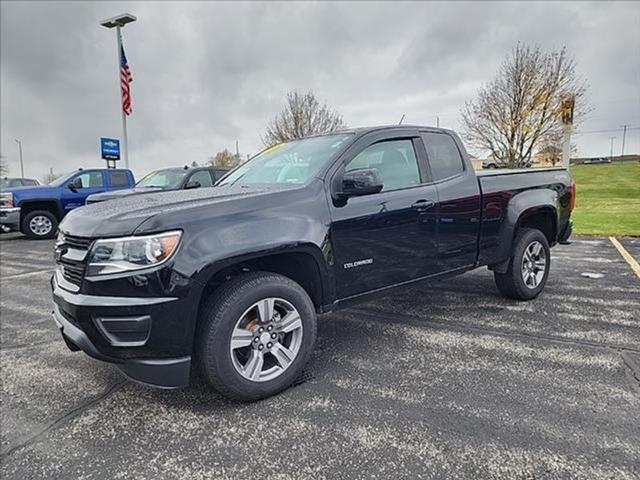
(110, 148)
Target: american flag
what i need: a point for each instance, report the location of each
(125, 83)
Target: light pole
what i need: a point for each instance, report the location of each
(611, 151)
(21, 164)
(118, 22)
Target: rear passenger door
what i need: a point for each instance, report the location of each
(458, 212)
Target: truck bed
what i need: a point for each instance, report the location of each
(512, 171)
(498, 189)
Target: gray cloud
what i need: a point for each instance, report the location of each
(206, 74)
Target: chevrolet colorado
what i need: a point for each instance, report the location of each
(227, 281)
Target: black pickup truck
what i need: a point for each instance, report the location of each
(227, 281)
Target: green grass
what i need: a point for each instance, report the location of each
(608, 199)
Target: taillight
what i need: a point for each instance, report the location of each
(572, 195)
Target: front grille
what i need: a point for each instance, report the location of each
(72, 271)
(81, 243)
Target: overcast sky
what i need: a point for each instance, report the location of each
(206, 74)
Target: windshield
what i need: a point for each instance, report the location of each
(163, 178)
(10, 182)
(293, 162)
(60, 180)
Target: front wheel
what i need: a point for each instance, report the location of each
(40, 224)
(528, 268)
(255, 335)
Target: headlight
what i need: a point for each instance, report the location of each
(6, 199)
(115, 255)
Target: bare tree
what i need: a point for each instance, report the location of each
(302, 115)
(521, 108)
(225, 159)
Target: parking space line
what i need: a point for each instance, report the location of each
(626, 255)
(25, 274)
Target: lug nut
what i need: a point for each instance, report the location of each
(269, 345)
(255, 339)
(273, 335)
(270, 327)
(260, 347)
(261, 330)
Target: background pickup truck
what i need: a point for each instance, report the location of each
(37, 210)
(228, 281)
(166, 179)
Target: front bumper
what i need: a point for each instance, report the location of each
(81, 321)
(10, 217)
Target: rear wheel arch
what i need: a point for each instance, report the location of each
(529, 209)
(544, 219)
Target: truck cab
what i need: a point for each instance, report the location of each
(36, 211)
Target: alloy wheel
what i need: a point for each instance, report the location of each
(534, 264)
(266, 339)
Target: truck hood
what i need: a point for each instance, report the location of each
(123, 215)
(125, 192)
(35, 191)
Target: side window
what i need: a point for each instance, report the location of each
(443, 155)
(395, 160)
(119, 179)
(88, 180)
(202, 177)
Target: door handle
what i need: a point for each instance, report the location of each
(423, 204)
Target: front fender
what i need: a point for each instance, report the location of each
(312, 251)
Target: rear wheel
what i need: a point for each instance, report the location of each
(255, 335)
(528, 268)
(40, 224)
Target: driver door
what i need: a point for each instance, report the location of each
(78, 188)
(389, 237)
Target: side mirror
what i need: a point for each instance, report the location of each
(192, 185)
(363, 181)
(72, 187)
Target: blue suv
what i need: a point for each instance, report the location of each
(36, 211)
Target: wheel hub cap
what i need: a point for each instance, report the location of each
(534, 264)
(266, 339)
(40, 225)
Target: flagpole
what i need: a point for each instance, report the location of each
(118, 22)
(125, 140)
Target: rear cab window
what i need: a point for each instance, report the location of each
(118, 179)
(443, 155)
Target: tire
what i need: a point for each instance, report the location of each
(512, 284)
(39, 224)
(239, 303)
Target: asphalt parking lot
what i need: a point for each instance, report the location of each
(445, 380)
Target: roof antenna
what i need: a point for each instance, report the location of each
(401, 119)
